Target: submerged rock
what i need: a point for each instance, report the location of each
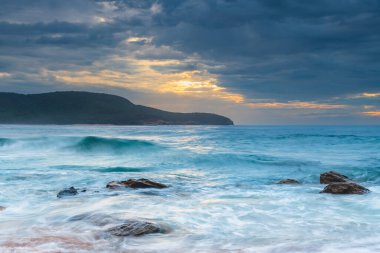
(134, 228)
(332, 177)
(288, 181)
(345, 188)
(97, 219)
(135, 183)
(67, 192)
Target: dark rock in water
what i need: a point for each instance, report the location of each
(345, 188)
(135, 183)
(67, 192)
(288, 181)
(2, 208)
(114, 185)
(134, 228)
(332, 177)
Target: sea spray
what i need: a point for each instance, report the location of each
(223, 195)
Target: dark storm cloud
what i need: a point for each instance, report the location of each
(278, 50)
(60, 34)
(281, 49)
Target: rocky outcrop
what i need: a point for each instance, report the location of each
(345, 188)
(288, 181)
(67, 192)
(135, 183)
(134, 228)
(332, 177)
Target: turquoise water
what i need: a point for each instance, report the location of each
(222, 196)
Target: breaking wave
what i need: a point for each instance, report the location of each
(93, 143)
(5, 141)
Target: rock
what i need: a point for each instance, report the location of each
(133, 183)
(115, 185)
(67, 192)
(134, 228)
(2, 208)
(288, 181)
(345, 188)
(332, 177)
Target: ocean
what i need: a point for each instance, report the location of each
(223, 195)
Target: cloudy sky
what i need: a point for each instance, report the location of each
(256, 61)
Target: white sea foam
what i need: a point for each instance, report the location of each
(222, 196)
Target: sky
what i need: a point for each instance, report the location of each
(255, 61)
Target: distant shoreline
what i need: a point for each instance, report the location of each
(87, 108)
(37, 124)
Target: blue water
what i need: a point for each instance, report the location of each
(222, 196)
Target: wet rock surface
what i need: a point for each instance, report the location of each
(288, 181)
(345, 188)
(134, 228)
(67, 192)
(332, 177)
(135, 183)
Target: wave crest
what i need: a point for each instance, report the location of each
(93, 143)
(5, 141)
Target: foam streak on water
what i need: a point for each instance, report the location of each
(222, 196)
